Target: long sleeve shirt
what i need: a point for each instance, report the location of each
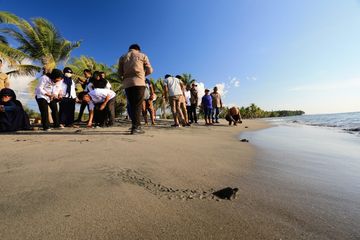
(133, 67)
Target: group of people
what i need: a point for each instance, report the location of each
(57, 91)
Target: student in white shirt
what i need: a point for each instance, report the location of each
(172, 86)
(47, 95)
(67, 103)
(101, 104)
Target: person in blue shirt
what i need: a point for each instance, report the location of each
(206, 103)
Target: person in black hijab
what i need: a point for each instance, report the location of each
(67, 103)
(12, 115)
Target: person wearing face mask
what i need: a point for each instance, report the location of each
(47, 94)
(67, 103)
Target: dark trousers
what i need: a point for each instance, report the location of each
(107, 115)
(135, 96)
(44, 110)
(67, 111)
(81, 112)
(193, 116)
(188, 109)
(215, 114)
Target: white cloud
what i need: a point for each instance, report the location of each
(251, 78)
(234, 81)
(20, 84)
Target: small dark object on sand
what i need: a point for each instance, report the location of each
(246, 127)
(78, 131)
(244, 140)
(226, 193)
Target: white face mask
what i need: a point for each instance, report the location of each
(68, 75)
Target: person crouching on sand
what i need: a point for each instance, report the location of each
(206, 103)
(101, 104)
(233, 116)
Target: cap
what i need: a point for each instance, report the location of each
(67, 70)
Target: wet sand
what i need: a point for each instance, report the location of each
(106, 184)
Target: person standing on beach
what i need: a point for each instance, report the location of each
(206, 103)
(4, 80)
(173, 88)
(88, 80)
(149, 95)
(183, 105)
(134, 66)
(187, 95)
(216, 104)
(67, 103)
(194, 103)
(47, 95)
(233, 116)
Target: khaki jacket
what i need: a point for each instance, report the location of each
(133, 67)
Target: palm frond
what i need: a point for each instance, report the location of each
(11, 55)
(3, 40)
(21, 70)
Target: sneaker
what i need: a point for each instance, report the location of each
(47, 129)
(135, 131)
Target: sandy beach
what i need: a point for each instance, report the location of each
(106, 184)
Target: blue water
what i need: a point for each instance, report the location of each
(349, 122)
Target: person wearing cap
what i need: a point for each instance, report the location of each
(47, 94)
(194, 103)
(217, 104)
(206, 103)
(233, 116)
(134, 66)
(101, 101)
(4, 80)
(12, 114)
(67, 103)
(173, 88)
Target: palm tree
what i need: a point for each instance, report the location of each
(78, 64)
(39, 42)
(160, 100)
(187, 79)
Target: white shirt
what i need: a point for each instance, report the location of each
(45, 86)
(98, 95)
(90, 86)
(72, 90)
(187, 98)
(174, 86)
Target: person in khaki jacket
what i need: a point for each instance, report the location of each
(4, 80)
(134, 66)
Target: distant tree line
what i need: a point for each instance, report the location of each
(254, 111)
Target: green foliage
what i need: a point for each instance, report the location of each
(254, 111)
(31, 113)
(38, 41)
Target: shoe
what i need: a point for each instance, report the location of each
(175, 125)
(135, 131)
(217, 122)
(61, 126)
(47, 129)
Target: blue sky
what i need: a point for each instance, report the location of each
(278, 54)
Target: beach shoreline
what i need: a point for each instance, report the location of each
(106, 184)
